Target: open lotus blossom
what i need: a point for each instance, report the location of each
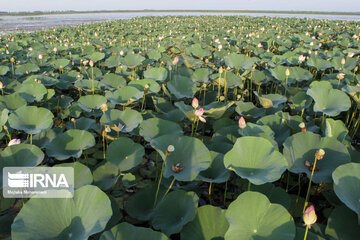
(199, 114)
(350, 54)
(104, 107)
(14, 141)
(310, 216)
(242, 123)
(301, 58)
(195, 103)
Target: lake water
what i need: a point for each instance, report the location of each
(24, 23)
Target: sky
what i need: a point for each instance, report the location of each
(82, 5)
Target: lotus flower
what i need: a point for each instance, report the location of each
(301, 58)
(199, 114)
(309, 216)
(55, 49)
(40, 56)
(91, 63)
(195, 103)
(350, 54)
(242, 123)
(14, 141)
(343, 61)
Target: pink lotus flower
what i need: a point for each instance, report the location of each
(175, 61)
(301, 58)
(199, 114)
(242, 123)
(310, 216)
(14, 141)
(195, 103)
(350, 54)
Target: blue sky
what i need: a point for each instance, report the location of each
(300, 5)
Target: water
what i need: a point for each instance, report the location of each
(24, 23)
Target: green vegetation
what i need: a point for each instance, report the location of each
(189, 128)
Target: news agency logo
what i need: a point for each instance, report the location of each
(38, 182)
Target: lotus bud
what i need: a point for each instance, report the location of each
(206, 60)
(73, 120)
(104, 107)
(5, 127)
(170, 149)
(195, 103)
(242, 122)
(320, 154)
(1, 85)
(221, 70)
(40, 56)
(14, 141)
(287, 72)
(220, 47)
(302, 126)
(12, 60)
(260, 45)
(343, 61)
(176, 60)
(91, 63)
(55, 49)
(310, 216)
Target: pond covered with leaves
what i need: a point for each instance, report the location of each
(186, 128)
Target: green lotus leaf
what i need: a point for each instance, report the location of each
(90, 102)
(154, 54)
(96, 56)
(255, 159)
(113, 61)
(31, 119)
(297, 74)
(188, 110)
(301, 147)
(217, 172)
(32, 92)
(301, 100)
(126, 231)
(167, 109)
(240, 61)
(106, 175)
(124, 95)
(141, 204)
(190, 153)
(252, 216)
(141, 85)
(26, 68)
(350, 63)
(61, 63)
(255, 130)
(125, 154)
(12, 101)
(201, 75)
(129, 119)
(70, 144)
(312, 235)
(182, 87)
(198, 51)
(87, 85)
(43, 138)
(81, 123)
(113, 81)
(347, 185)
(318, 63)
(177, 209)
(44, 79)
(210, 223)
(155, 127)
(20, 155)
(216, 110)
(4, 115)
(133, 60)
(271, 100)
(342, 224)
(336, 129)
(64, 218)
(249, 110)
(158, 74)
(4, 70)
(276, 124)
(82, 174)
(328, 100)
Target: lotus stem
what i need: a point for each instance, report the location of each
(309, 187)
(249, 186)
(103, 143)
(92, 80)
(156, 166)
(251, 83)
(168, 190)
(158, 187)
(12, 69)
(306, 232)
(30, 138)
(210, 188)
(143, 101)
(204, 95)
(225, 85)
(323, 119)
(287, 181)
(286, 84)
(226, 186)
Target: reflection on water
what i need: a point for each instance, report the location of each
(30, 23)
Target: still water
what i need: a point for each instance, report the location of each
(31, 23)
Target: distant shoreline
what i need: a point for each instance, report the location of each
(35, 13)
